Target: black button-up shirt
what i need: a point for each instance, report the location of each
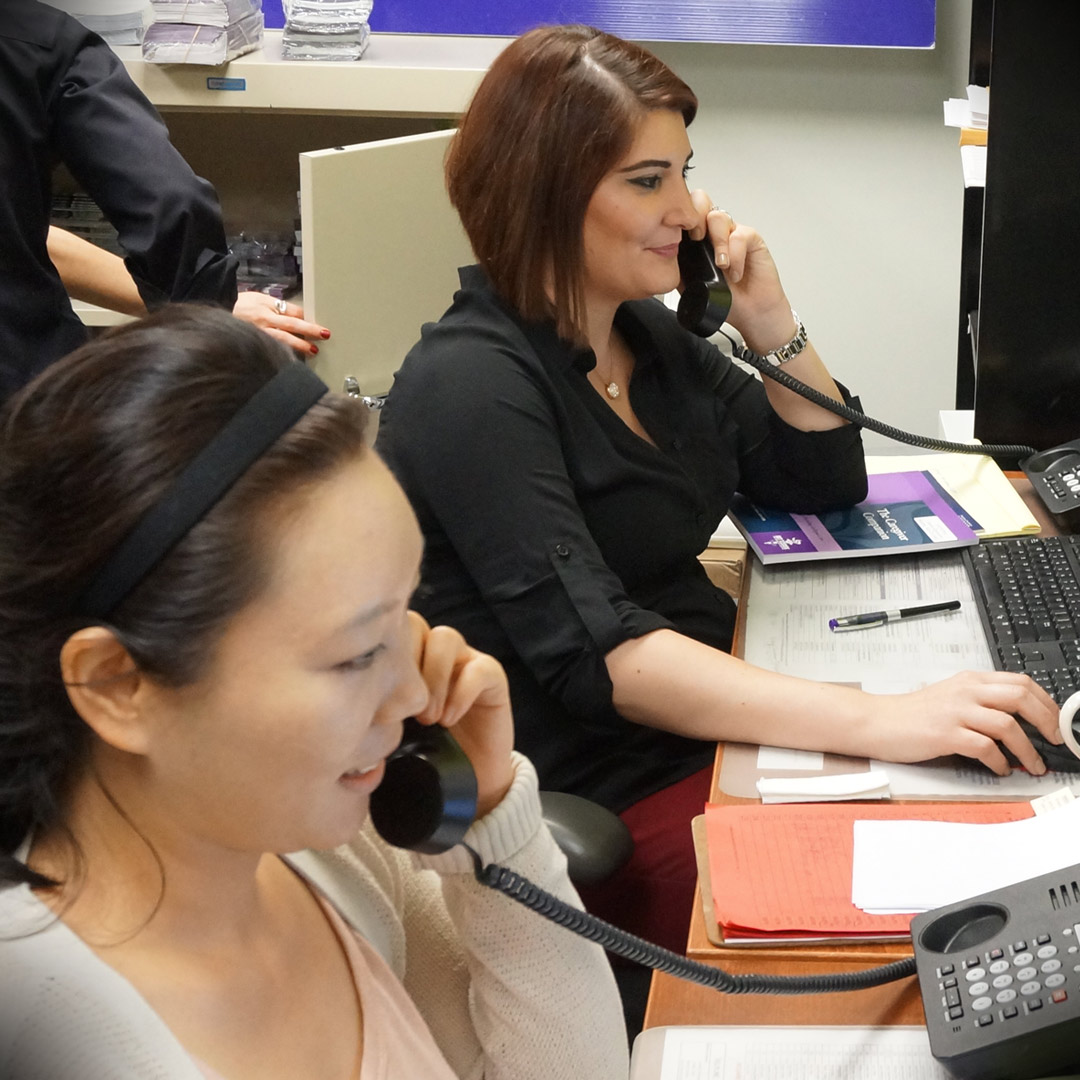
(65, 97)
(554, 533)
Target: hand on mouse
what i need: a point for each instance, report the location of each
(974, 714)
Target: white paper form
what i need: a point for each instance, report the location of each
(789, 608)
(961, 778)
(790, 1053)
(918, 865)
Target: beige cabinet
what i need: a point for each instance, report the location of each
(382, 245)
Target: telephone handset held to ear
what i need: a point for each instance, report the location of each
(703, 308)
(427, 799)
(706, 298)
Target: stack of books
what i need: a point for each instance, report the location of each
(326, 29)
(203, 31)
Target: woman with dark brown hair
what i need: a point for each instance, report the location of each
(206, 655)
(569, 449)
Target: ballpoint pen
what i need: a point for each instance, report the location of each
(880, 618)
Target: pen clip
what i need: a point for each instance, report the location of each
(855, 622)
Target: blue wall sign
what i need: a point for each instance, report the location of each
(891, 23)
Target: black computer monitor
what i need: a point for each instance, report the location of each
(1027, 344)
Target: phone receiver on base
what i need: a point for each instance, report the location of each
(706, 298)
(427, 799)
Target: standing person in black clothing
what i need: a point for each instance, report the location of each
(65, 97)
(569, 449)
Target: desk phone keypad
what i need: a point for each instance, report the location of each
(1065, 483)
(999, 976)
(1003, 983)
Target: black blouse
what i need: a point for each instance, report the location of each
(554, 532)
(65, 97)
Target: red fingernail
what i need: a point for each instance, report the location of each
(325, 334)
(314, 350)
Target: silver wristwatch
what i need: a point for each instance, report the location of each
(787, 352)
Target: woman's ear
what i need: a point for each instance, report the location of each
(102, 683)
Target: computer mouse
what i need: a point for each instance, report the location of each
(1058, 758)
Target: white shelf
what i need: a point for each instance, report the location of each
(399, 75)
(92, 315)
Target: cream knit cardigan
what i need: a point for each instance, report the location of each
(506, 994)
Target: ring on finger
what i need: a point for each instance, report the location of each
(720, 211)
(281, 307)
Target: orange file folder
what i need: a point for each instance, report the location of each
(785, 871)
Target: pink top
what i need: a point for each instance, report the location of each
(397, 1042)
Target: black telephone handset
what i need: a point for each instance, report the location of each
(427, 799)
(706, 298)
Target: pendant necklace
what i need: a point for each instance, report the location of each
(611, 387)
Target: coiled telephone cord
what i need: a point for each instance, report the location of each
(653, 956)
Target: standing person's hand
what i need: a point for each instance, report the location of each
(281, 320)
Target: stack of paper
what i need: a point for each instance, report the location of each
(219, 13)
(780, 1053)
(915, 865)
(784, 873)
(971, 115)
(326, 29)
(203, 31)
(119, 22)
(81, 215)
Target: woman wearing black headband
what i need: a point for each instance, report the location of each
(206, 654)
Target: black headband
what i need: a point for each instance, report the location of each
(265, 417)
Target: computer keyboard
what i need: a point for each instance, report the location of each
(1028, 589)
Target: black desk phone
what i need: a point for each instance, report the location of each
(1055, 476)
(703, 307)
(1000, 979)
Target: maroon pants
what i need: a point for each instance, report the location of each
(652, 895)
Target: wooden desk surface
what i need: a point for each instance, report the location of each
(676, 1001)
